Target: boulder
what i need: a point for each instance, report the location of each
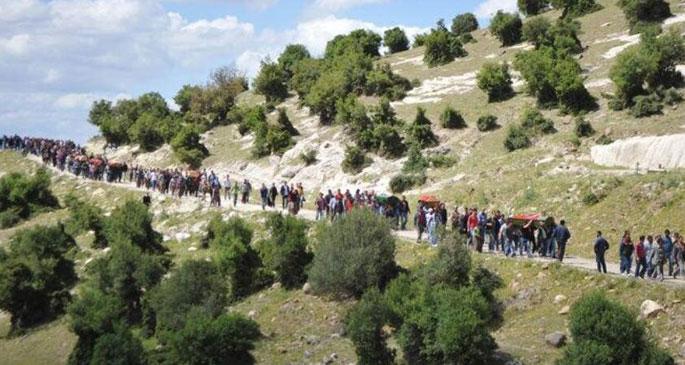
(556, 339)
(565, 310)
(252, 314)
(650, 309)
(682, 351)
(276, 285)
(559, 299)
(307, 288)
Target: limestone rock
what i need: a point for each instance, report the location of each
(252, 314)
(556, 339)
(559, 299)
(565, 309)
(682, 351)
(662, 152)
(307, 288)
(276, 285)
(649, 309)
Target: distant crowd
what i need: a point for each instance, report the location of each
(507, 235)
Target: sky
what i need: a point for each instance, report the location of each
(58, 56)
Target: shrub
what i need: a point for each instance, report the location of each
(467, 38)
(188, 148)
(390, 143)
(517, 138)
(308, 157)
(419, 132)
(452, 119)
(22, 195)
(532, 7)
(640, 12)
(590, 198)
(396, 40)
(495, 80)
(583, 128)
(146, 132)
(403, 182)
(575, 8)
(440, 161)
(452, 265)
(383, 82)
(355, 160)
(118, 348)
(132, 223)
(487, 123)
(420, 40)
(355, 253)
(442, 47)
(416, 162)
(220, 232)
(671, 96)
(364, 324)
(506, 27)
(604, 140)
(464, 23)
(271, 82)
(285, 123)
(285, 250)
(646, 105)
(9, 218)
(224, 339)
(536, 30)
(291, 57)
(603, 329)
(364, 42)
(85, 217)
(533, 121)
(36, 275)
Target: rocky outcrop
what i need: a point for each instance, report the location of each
(662, 152)
(649, 309)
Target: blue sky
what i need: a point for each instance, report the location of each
(58, 56)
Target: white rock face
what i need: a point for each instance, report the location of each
(650, 308)
(662, 152)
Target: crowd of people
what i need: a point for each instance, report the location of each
(499, 233)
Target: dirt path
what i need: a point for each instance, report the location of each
(572, 261)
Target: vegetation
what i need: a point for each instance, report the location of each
(517, 138)
(364, 326)
(187, 147)
(355, 253)
(272, 82)
(606, 332)
(642, 13)
(291, 57)
(420, 132)
(396, 40)
(355, 160)
(36, 275)
(487, 123)
(583, 128)
(85, 217)
(452, 119)
(442, 46)
(494, 79)
(532, 7)
(308, 157)
(575, 8)
(285, 251)
(132, 223)
(22, 196)
(464, 23)
(506, 27)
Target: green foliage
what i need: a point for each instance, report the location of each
(606, 331)
(641, 12)
(269, 139)
(583, 128)
(195, 284)
(220, 232)
(285, 123)
(285, 250)
(364, 42)
(670, 96)
(517, 138)
(536, 30)
(146, 132)
(207, 339)
(118, 348)
(355, 160)
(442, 47)
(420, 132)
(132, 223)
(506, 27)
(271, 82)
(487, 123)
(532, 7)
(405, 181)
(188, 148)
(355, 253)
(419, 40)
(495, 80)
(308, 157)
(325, 92)
(575, 8)
(452, 119)
(383, 82)
(22, 195)
(364, 325)
(85, 217)
(464, 23)
(416, 162)
(532, 120)
(396, 40)
(452, 265)
(184, 97)
(646, 105)
(291, 57)
(36, 275)
(305, 74)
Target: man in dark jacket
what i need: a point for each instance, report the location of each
(601, 247)
(561, 236)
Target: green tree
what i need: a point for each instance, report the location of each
(285, 124)
(517, 138)
(355, 253)
(355, 160)
(184, 97)
(506, 27)
(442, 47)
(642, 12)
(364, 324)
(36, 275)
(575, 8)
(22, 195)
(532, 7)
(420, 132)
(464, 23)
(396, 40)
(132, 223)
(305, 75)
(291, 57)
(360, 41)
(383, 82)
(188, 148)
(452, 119)
(99, 111)
(487, 123)
(495, 80)
(536, 30)
(118, 348)
(324, 94)
(285, 250)
(272, 82)
(153, 103)
(85, 217)
(145, 131)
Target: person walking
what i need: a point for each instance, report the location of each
(432, 226)
(285, 192)
(320, 207)
(404, 213)
(227, 187)
(678, 256)
(601, 247)
(625, 252)
(264, 195)
(420, 221)
(561, 235)
(668, 250)
(660, 255)
(640, 258)
(273, 193)
(236, 191)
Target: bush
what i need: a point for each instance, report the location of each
(534, 122)
(442, 47)
(532, 7)
(452, 119)
(22, 195)
(271, 82)
(495, 80)
(132, 223)
(604, 140)
(517, 138)
(603, 329)
(419, 132)
(416, 162)
(308, 157)
(575, 8)
(640, 12)
(645, 106)
(36, 275)
(389, 141)
(206, 339)
(285, 123)
(419, 40)
(452, 265)
(355, 160)
(146, 132)
(583, 128)
(440, 161)
(487, 123)
(403, 182)
(85, 217)
(396, 40)
(537, 30)
(291, 57)
(383, 82)
(9, 218)
(188, 148)
(464, 23)
(118, 348)
(285, 250)
(506, 27)
(364, 325)
(355, 253)
(671, 96)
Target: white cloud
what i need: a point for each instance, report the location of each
(16, 45)
(488, 8)
(336, 5)
(75, 101)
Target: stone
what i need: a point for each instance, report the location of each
(307, 354)
(252, 314)
(650, 309)
(307, 288)
(682, 351)
(559, 299)
(541, 275)
(564, 310)
(192, 249)
(276, 285)
(556, 339)
(545, 266)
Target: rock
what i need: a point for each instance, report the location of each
(559, 299)
(330, 358)
(556, 339)
(307, 354)
(565, 310)
(541, 275)
(252, 314)
(192, 249)
(276, 285)
(289, 173)
(649, 309)
(307, 288)
(545, 266)
(682, 351)
(312, 340)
